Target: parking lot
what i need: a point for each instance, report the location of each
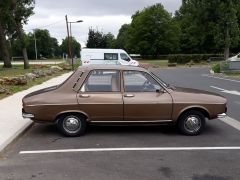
(136, 152)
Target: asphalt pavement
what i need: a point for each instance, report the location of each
(98, 154)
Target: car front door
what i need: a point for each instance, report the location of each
(100, 96)
(144, 98)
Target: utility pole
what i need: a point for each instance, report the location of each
(35, 42)
(69, 46)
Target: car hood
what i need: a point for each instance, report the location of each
(52, 88)
(194, 91)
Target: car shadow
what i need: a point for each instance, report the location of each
(170, 130)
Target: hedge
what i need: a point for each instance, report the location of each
(186, 58)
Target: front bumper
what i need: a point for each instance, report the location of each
(27, 115)
(223, 115)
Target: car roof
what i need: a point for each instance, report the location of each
(111, 67)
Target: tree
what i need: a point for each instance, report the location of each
(4, 19)
(152, 31)
(123, 36)
(21, 11)
(110, 41)
(96, 39)
(209, 26)
(76, 47)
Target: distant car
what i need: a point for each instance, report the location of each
(106, 56)
(121, 95)
(235, 58)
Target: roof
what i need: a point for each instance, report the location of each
(111, 67)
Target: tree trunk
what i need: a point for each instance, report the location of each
(4, 48)
(24, 49)
(227, 43)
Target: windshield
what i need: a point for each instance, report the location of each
(160, 80)
(125, 57)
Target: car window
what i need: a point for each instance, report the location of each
(125, 57)
(102, 81)
(110, 56)
(135, 81)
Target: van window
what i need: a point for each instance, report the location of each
(110, 56)
(125, 57)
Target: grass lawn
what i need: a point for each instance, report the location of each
(162, 63)
(18, 70)
(232, 74)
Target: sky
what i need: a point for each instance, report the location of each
(104, 15)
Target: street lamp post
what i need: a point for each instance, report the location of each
(70, 38)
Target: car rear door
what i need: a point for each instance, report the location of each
(144, 98)
(100, 96)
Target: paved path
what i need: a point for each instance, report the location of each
(11, 121)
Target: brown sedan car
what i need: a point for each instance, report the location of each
(121, 95)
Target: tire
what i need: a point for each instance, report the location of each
(72, 125)
(191, 123)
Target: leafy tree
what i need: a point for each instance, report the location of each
(152, 32)
(76, 47)
(123, 36)
(20, 12)
(96, 39)
(209, 26)
(110, 41)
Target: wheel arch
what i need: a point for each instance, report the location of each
(71, 112)
(201, 109)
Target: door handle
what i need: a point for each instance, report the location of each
(128, 95)
(84, 96)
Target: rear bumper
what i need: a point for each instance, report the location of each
(27, 115)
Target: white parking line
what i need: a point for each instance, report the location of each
(226, 91)
(232, 122)
(226, 79)
(131, 149)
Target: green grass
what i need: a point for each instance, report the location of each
(18, 70)
(232, 74)
(155, 62)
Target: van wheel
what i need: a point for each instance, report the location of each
(191, 123)
(72, 125)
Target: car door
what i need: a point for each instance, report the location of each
(100, 96)
(144, 98)
(111, 58)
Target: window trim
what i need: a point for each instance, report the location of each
(123, 79)
(102, 92)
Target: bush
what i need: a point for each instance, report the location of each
(216, 68)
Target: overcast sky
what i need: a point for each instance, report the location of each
(104, 15)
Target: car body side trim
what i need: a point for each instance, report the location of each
(156, 121)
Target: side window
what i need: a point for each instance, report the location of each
(110, 56)
(102, 81)
(125, 57)
(135, 81)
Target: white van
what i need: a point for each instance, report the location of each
(106, 56)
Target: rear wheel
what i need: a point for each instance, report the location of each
(191, 123)
(72, 125)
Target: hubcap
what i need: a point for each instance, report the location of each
(192, 124)
(72, 124)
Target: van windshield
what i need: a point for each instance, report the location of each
(125, 57)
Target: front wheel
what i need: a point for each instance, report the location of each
(72, 125)
(191, 123)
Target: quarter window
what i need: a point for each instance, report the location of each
(110, 56)
(135, 81)
(102, 81)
